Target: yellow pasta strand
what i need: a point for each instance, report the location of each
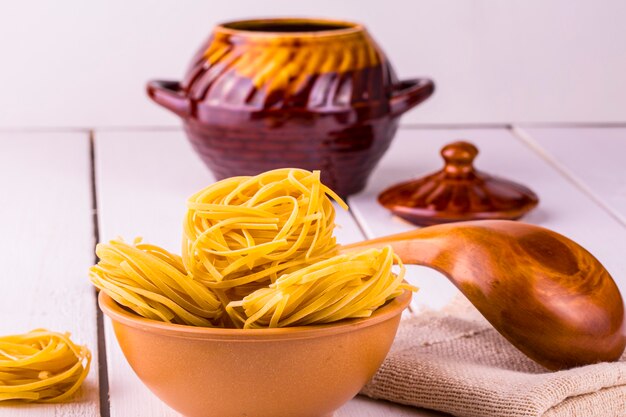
(345, 286)
(41, 366)
(247, 230)
(153, 283)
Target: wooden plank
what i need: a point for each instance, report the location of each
(143, 181)
(563, 207)
(592, 157)
(47, 241)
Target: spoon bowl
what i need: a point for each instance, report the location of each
(543, 292)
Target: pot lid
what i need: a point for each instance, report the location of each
(458, 192)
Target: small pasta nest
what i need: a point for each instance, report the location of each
(345, 286)
(247, 230)
(153, 283)
(41, 366)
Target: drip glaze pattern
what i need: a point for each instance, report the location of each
(273, 93)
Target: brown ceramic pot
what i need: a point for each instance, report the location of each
(275, 93)
(307, 371)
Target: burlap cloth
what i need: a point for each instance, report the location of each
(454, 361)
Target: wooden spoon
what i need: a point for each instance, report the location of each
(546, 294)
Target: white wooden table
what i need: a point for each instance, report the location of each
(60, 192)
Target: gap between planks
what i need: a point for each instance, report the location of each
(105, 403)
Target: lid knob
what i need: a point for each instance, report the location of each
(459, 157)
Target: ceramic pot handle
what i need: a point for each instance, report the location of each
(409, 93)
(169, 95)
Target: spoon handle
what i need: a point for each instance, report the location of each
(415, 247)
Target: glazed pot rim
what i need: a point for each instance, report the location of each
(253, 28)
(119, 314)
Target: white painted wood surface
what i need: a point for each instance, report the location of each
(143, 181)
(594, 157)
(144, 178)
(47, 246)
(85, 63)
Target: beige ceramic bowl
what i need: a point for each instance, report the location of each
(288, 372)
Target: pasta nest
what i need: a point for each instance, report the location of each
(346, 286)
(153, 283)
(41, 366)
(245, 232)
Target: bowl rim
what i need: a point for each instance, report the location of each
(120, 315)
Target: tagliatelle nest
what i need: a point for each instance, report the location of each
(153, 282)
(247, 230)
(346, 286)
(41, 366)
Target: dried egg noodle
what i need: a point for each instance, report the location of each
(246, 230)
(257, 252)
(41, 366)
(153, 283)
(345, 286)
